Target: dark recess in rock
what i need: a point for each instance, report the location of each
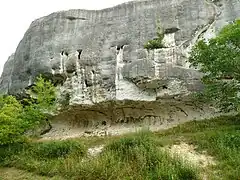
(72, 18)
(79, 53)
(104, 123)
(28, 71)
(26, 57)
(64, 52)
(69, 71)
(66, 99)
(171, 30)
(88, 83)
(47, 129)
(57, 79)
(105, 78)
(120, 47)
(164, 87)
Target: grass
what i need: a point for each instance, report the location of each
(16, 174)
(134, 156)
(220, 137)
(44, 158)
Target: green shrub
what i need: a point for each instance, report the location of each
(8, 151)
(156, 43)
(44, 158)
(56, 149)
(124, 147)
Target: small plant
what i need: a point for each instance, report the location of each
(156, 43)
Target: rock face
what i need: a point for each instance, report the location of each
(5, 79)
(103, 73)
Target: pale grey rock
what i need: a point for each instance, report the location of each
(103, 72)
(5, 79)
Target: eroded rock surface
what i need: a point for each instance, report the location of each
(103, 73)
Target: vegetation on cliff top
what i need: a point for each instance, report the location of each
(157, 42)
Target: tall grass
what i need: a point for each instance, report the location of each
(44, 158)
(132, 157)
(137, 157)
(220, 137)
(225, 146)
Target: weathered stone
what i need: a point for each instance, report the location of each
(97, 59)
(5, 80)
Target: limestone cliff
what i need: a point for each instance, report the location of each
(103, 73)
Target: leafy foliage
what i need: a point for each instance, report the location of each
(11, 125)
(44, 92)
(219, 60)
(15, 119)
(156, 43)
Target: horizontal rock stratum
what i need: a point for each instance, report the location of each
(103, 73)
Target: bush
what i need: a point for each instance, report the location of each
(8, 151)
(44, 158)
(156, 43)
(56, 149)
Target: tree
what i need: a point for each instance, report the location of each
(16, 119)
(41, 104)
(43, 94)
(11, 125)
(219, 60)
